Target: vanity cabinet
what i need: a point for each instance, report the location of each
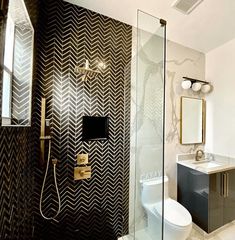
(210, 198)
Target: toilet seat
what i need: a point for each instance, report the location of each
(174, 213)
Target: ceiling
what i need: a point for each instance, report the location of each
(210, 25)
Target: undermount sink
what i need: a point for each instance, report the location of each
(207, 164)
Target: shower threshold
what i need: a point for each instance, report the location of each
(139, 235)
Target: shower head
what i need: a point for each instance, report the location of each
(86, 71)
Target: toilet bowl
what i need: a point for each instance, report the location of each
(177, 219)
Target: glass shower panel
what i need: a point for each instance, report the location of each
(149, 117)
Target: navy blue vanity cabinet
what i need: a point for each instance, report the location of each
(192, 193)
(216, 202)
(229, 199)
(210, 198)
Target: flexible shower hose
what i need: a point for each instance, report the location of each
(56, 186)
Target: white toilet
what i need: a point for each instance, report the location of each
(177, 219)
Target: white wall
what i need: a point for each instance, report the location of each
(220, 70)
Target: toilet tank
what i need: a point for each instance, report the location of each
(152, 190)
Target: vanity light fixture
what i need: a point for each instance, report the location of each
(196, 85)
(186, 84)
(206, 88)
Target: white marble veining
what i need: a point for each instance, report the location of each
(147, 112)
(181, 62)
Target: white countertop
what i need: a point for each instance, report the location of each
(190, 163)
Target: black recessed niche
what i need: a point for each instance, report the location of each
(95, 128)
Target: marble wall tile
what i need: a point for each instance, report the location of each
(147, 112)
(181, 62)
(146, 120)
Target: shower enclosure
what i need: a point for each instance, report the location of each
(147, 115)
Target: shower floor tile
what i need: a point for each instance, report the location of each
(139, 235)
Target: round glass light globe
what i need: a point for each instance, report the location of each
(206, 88)
(196, 86)
(186, 84)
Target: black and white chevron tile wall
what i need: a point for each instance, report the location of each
(16, 184)
(94, 209)
(67, 35)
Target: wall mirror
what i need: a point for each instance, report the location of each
(192, 121)
(17, 66)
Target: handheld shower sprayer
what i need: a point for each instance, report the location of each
(45, 136)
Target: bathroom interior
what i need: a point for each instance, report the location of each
(117, 120)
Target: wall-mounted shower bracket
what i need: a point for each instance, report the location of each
(43, 129)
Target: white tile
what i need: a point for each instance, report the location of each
(227, 234)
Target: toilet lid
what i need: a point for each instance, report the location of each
(174, 213)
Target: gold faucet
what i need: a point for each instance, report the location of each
(199, 154)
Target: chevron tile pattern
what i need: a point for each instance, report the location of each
(21, 86)
(91, 209)
(94, 209)
(15, 184)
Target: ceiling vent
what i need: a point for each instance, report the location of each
(186, 6)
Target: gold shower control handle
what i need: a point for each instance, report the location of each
(82, 172)
(82, 158)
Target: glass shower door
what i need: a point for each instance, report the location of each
(149, 132)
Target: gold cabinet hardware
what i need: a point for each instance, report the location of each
(225, 185)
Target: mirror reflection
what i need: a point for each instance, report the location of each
(17, 66)
(192, 120)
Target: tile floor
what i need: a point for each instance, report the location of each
(225, 233)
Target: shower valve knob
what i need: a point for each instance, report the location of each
(82, 159)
